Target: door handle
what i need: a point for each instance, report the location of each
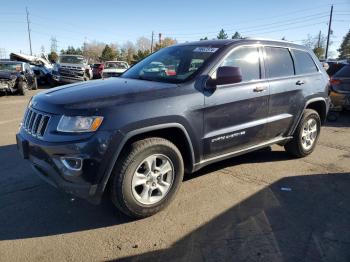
(259, 89)
(300, 82)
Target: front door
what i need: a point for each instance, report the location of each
(235, 114)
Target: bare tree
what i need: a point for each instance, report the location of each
(143, 44)
(93, 50)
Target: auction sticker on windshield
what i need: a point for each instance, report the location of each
(205, 49)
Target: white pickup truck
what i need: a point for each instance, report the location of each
(71, 68)
(114, 68)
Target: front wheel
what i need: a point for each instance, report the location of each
(306, 135)
(35, 84)
(147, 177)
(22, 88)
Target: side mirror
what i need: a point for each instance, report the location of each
(228, 75)
(325, 65)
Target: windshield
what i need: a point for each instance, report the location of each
(11, 67)
(116, 65)
(174, 64)
(72, 60)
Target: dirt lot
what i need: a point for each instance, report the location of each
(232, 211)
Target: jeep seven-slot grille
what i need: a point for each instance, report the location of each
(35, 123)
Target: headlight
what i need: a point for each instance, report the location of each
(79, 123)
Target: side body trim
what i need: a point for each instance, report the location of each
(248, 125)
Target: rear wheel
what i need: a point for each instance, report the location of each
(147, 177)
(306, 135)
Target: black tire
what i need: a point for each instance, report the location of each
(22, 88)
(35, 84)
(131, 158)
(295, 146)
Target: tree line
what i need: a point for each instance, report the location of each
(130, 52)
(133, 52)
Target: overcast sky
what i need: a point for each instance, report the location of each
(73, 22)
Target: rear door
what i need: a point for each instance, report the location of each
(285, 91)
(235, 114)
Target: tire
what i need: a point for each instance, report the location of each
(35, 84)
(133, 200)
(22, 88)
(299, 145)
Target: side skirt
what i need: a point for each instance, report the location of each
(205, 162)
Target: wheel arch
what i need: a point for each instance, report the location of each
(174, 132)
(320, 106)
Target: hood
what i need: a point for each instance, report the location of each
(8, 75)
(98, 94)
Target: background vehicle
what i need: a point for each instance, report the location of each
(334, 67)
(114, 68)
(141, 132)
(340, 90)
(97, 70)
(16, 77)
(71, 69)
(43, 75)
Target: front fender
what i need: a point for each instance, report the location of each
(124, 138)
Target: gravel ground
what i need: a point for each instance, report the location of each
(263, 206)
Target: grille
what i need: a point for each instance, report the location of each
(71, 72)
(35, 123)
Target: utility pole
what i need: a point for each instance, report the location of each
(152, 42)
(30, 40)
(160, 39)
(319, 40)
(329, 30)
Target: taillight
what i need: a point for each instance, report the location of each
(335, 81)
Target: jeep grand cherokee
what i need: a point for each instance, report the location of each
(138, 134)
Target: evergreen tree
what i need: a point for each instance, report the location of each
(344, 50)
(222, 35)
(237, 36)
(108, 54)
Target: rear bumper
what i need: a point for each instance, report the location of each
(340, 100)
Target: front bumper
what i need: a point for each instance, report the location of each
(67, 79)
(46, 159)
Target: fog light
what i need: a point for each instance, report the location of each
(72, 163)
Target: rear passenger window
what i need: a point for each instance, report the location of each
(279, 62)
(247, 59)
(304, 63)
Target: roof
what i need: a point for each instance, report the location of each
(225, 42)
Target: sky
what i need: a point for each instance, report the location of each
(73, 22)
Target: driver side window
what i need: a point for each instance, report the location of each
(248, 60)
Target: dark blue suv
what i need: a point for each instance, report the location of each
(183, 107)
